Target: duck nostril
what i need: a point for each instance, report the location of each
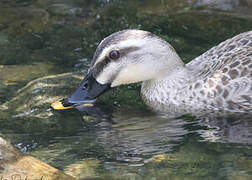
(85, 86)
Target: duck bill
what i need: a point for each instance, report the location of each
(88, 91)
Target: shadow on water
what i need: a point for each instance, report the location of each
(120, 137)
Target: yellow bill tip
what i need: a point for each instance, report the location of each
(59, 106)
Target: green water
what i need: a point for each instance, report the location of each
(119, 138)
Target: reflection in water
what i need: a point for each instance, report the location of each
(138, 137)
(132, 136)
(149, 133)
(235, 128)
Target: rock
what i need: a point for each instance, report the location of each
(85, 168)
(16, 165)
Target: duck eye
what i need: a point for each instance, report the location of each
(114, 54)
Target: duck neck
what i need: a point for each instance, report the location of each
(164, 91)
(179, 78)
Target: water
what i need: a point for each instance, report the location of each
(119, 138)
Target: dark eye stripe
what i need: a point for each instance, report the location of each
(103, 63)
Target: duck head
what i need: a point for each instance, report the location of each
(125, 57)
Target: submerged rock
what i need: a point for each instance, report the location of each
(35, 98)
(13, 77)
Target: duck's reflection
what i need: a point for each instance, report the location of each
(128, 136)
(134, 136)
(232, 128)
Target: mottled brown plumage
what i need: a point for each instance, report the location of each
(225, 71)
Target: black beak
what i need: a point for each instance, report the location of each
(88, 91)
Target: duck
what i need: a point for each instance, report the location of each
(220, 79)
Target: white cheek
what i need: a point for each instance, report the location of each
(107, 73)
(133, 73)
